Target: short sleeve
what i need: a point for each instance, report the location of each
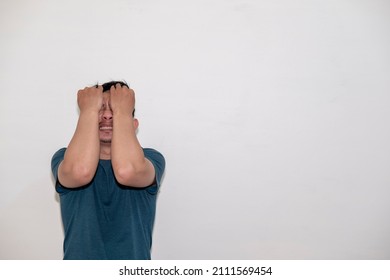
(158, 161)
(55, 163)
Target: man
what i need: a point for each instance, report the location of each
(106, 181)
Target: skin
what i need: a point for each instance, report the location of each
(106, 130)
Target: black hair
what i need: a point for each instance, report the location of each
(108, 85)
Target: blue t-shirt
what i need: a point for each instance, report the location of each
(105, 220)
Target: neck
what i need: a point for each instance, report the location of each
(105, 151)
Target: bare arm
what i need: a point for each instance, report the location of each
(130, 166)
(82, 155)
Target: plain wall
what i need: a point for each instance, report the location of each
(273, 117)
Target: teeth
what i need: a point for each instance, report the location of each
(106, 128)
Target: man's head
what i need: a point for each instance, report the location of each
(108, 85)
(106, 114)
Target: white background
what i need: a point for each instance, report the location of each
(273, 117)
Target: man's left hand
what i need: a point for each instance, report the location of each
(122, 99)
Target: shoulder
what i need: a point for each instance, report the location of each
(158, 162)
(60, 152)
(155, 157)
(58, 156)
(153, 154)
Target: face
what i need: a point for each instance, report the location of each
(106, 120)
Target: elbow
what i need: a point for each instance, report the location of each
(126, 176)
(77, 176)
(83, 175)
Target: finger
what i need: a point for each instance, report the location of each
(112, 88)
(126, 88)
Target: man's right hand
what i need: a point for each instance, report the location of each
(90, 98)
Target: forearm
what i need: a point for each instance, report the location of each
(128, 161)
(82, 155)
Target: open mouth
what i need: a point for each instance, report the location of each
(105, 128)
